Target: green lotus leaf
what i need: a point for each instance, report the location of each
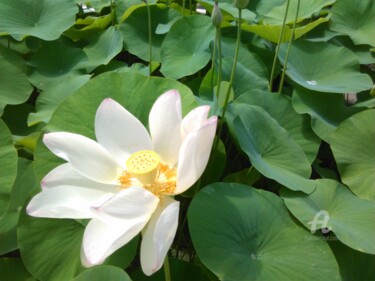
(353, 147)
(327, 110)
(45, 19)
(332, 207)
(323, 67)
(88, 27)
(272, 32)
(8, 166)
(135, 30)
(241, 233)
(50, 99)
(15, 88)
(56, 62)
(103, 48)
(355, 19)
(23, 185)
(270, 148)
(306, 10)
(185, 49)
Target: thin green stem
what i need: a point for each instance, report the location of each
(149, 36)
(213, 63)
(219, 71)
(112, 13)
(278, 46)
(167, 271)
(288, 49)
(220, 125)
(190, 7)
(248, 174)
(234, 62)
(183, 8)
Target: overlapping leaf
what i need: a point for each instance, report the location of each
(332, 206)
(355, 19)
(270, 148)
(136, 34)
(15, 88)
(327, 110)
(8, 166)
(23, 185)
(353, 146)
(279, 106)
(185, 49)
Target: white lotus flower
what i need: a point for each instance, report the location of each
(125, 181)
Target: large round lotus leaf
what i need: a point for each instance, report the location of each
(333, 207)
(353, 265)
(50, 248)
(355, 19)
(327, 110)
(270, 148)
(15, 88)
(46, 19)
(241, 233)
(323, 67)
(55, 63)
(280, 107)
(103, 272)
(136, 34)
(8, 166)
(353, 146)
(306, 10)
(76, 114)
(185, 49)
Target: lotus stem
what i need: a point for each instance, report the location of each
(288, 49)
(281, 35)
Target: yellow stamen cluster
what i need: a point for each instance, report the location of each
(145, 168)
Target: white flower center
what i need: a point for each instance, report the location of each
(144, 168)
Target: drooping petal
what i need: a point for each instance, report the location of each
(119, 131)
(117, 222)
(84, 154)
(164, 122)
(65, 174)
(194, 155)
(194, 120)
(158, 235)
(67, 202)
